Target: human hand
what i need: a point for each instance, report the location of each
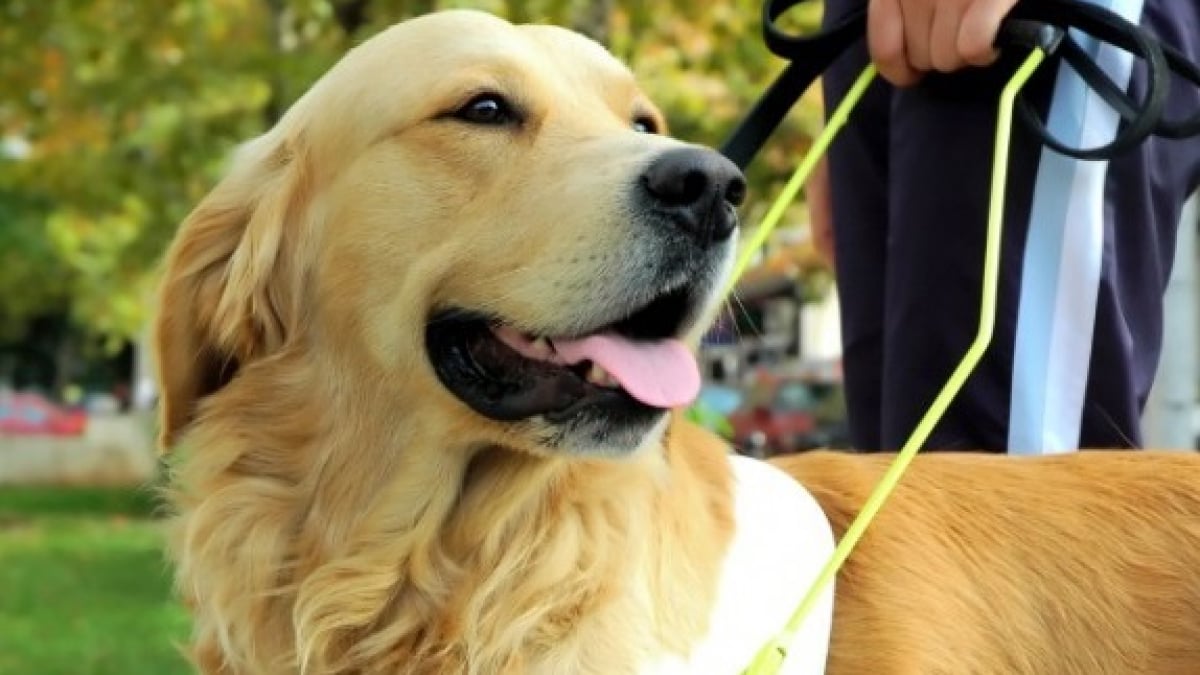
(820, 211)
(908, 38)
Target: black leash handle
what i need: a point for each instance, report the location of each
(808, 56)
(1140, 119)
(1040, 23)
(1185, 69)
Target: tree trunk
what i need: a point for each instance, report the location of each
(350, 15)
(273, 109)
(66, 363)
(594, 20)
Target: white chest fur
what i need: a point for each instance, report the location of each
(781, 541)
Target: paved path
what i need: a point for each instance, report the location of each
(116, 450)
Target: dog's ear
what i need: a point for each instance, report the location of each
(232, 283)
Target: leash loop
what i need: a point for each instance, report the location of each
(1140, 119)
(810, 55)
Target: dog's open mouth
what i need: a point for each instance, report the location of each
(508, 374)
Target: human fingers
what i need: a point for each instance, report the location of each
(918, 17)
(820, 211)
(944, 55)
(886, 42)
(976, 38)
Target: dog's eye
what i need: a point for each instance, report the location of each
(489, 109)
(644, 124)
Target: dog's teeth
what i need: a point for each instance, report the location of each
(601, 378)
(541, 348)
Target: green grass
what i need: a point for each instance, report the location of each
(84, 588)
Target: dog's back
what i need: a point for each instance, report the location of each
(1085, 563)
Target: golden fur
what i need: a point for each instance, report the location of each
(341, 512)
(338, 509)
(1079, 564)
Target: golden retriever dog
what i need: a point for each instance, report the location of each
(417, 353)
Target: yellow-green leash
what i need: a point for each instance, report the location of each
(792, 188)
(771, 657)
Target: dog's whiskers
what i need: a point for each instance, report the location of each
(735, 298)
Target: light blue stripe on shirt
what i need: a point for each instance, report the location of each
(1062, 262)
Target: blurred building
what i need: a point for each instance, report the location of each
(1172, 416)
(782, 313)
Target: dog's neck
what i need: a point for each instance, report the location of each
(399, 547)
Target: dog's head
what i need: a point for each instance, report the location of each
(473, 217)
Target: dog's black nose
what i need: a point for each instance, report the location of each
(697, 189)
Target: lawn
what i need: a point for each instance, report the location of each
(84, 589)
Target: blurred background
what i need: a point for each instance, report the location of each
(117, 116)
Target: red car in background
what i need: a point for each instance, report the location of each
(790, 413)
(34, 414)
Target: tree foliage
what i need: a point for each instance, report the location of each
(116, 116)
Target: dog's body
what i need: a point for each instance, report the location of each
(384, 468)
(1080, 563)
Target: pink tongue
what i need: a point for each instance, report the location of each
(662, 374)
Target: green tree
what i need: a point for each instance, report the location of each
(118, 115)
